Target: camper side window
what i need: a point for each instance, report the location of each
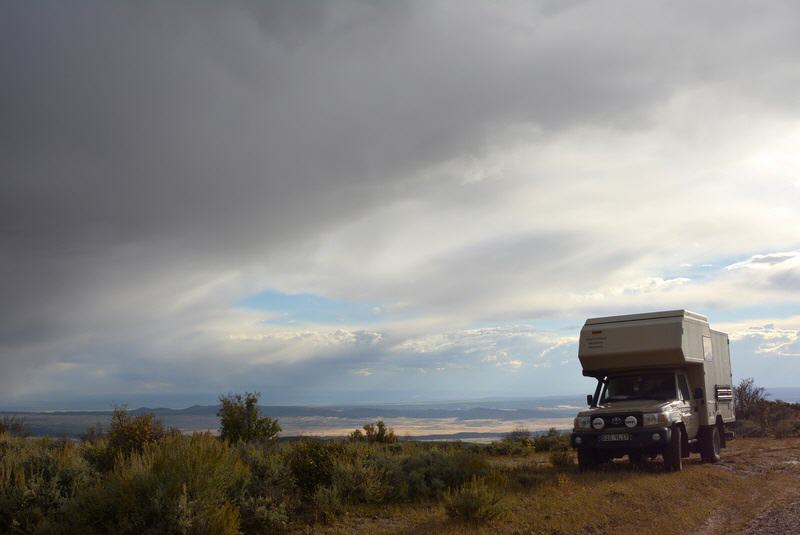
(684, 388)
(707, 353)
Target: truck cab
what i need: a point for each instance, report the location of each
(663, 388)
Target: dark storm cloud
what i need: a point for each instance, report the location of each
(148, 148)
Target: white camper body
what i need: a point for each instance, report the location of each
(676, 340)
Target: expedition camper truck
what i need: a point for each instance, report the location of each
(663, 388)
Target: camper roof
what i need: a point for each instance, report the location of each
(647, 316)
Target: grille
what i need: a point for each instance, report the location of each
(618, 420)
(724, 392)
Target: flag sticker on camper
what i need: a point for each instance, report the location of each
(595, 340)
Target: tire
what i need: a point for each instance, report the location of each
(710, 444)
(673, 462)
(587, 459)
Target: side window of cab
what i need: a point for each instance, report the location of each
(683, 387)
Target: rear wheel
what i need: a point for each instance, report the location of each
(673, 461)
(710, 444)
(587, 459)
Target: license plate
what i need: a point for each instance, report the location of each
(617, 437)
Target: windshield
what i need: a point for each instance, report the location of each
(643, 386)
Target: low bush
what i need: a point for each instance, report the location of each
(748, 429)
(311, 463)
(553, 440)
(263, 514)
(473, 501)
(39, 480)
(561, 459)
(429, 474)
(328, 503)
(270, 494)
(787, 429)
(377, 432)
(519, 434)
(516, 442)
(760, 417)
(126, 435)
(360, 480)
(178, 485)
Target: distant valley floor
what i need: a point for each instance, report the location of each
(469, 420)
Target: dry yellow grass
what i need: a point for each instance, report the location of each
(619, 499)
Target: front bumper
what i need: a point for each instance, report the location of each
(640, 438)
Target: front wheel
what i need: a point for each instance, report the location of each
(673, 462)
(710, 444)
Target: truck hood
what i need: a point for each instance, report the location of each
(633, 405)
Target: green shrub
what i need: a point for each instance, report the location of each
(130, 434)
(240, 419)
(126, 435)
(787, 429)
(38, 481)
(759, 417)
(360, 480)
(98, 455)
(311, 463)
(520, 434)
(505, 447)
(561, 459)
(516, 442)
(748, 429)
(521, 442)
(263, 514)
(377, 432)
(427, 475)
(270, 493)
(473, 502)
(177, 485)
(327, 503)
(551, 441)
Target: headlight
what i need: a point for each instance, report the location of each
(598, 423)
(582, 422)
(656, 418)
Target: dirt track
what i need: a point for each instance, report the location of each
(773, 505)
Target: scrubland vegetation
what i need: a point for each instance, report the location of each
(139, 477)
(759, 417)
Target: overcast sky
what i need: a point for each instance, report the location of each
(353, 201)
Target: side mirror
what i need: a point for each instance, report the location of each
(589, 399)
(698, 393)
